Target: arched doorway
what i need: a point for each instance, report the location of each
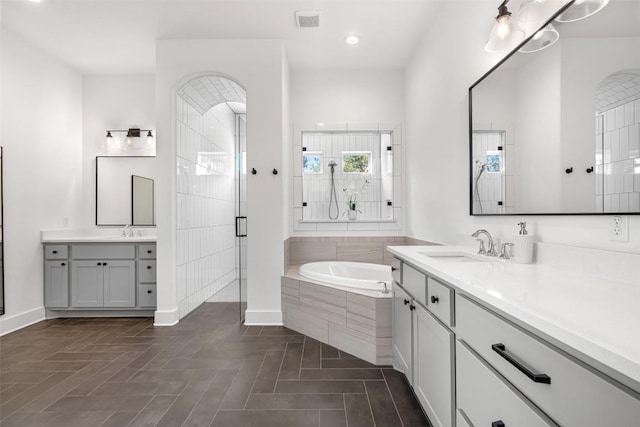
(210, 135)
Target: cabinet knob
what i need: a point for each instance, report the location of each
(434, 299)
(393, 269)
(406, 301)
(55, 252)
(148, 267)
(104, 263)
(63, 264)
(498, 423)
(149, 291)
(412, 307)
(149, 251)
(99, 263)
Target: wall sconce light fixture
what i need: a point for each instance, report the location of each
(506, 33)
(131, 133)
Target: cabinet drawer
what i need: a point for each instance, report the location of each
(576, 396)
(440, 300)
(415, 283)
(147, 251)
(396, 270)
(147, 295)
(486, 399)
(56, 252)
(103, 251)
(147, 271)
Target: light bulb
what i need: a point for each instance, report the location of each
(537, 35)
(503, 27)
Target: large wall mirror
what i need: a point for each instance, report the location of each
(125, 190)
(556, 130)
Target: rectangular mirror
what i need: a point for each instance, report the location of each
(556, 130)
(115, 187)
(142, 201)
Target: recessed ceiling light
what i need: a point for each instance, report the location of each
(352, 39)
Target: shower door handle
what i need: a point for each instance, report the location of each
(241, 226)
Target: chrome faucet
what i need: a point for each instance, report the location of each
(491, 250)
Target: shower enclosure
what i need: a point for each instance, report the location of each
(489, 181)
(337, 166)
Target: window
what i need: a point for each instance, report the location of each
(312, 162)
(356, 161)
(493, 162)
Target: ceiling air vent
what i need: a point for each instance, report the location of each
(308, 19)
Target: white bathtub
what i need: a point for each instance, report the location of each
(359, 275)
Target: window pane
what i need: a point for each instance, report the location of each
(356, 162)
(312, 162)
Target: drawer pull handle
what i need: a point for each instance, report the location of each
(149, 291)
(434, 300)
(520, 365)
(148, 267)
(149, 251)
(406, 301)
(498, 423)
(55, 252)
(412, 307)
(394, 269)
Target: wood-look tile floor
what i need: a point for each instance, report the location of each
(209, 370)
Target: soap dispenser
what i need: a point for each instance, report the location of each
(523, 245)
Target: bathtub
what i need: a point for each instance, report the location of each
(358, 275)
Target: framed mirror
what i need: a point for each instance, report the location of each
(122, 199)
(555, 126)
(142, 201)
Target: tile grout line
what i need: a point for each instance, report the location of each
(201, 397)
(373, 418)
(223, 397)
(254, 381)
(392, 399)
(280, 369)
(344, 403)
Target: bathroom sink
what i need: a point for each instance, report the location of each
(457, 257)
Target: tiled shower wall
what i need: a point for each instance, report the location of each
(206, 195)
(316, 188)
(618, 159)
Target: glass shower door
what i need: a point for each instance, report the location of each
(241, 211)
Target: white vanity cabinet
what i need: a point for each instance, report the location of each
(423, 346)
(99, 276)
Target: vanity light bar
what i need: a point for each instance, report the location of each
(131, 132)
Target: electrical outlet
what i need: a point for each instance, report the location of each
(618, 230)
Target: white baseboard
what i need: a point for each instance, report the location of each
(262, 318)
(166, 317)
(10, 324)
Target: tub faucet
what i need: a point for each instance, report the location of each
(491, 250)
(385, 289)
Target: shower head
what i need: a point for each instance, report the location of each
(332, 164)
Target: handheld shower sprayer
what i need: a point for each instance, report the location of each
(333, 197)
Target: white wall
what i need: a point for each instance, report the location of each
(436, 135)
(42, 140)
(258, 66)
(358, 96)
(111, 102)
(357, 99)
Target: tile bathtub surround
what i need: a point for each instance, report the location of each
(206, 202)
(208, 370)
(300, 250)
(358, 324)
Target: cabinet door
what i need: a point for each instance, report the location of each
(119, 283)
(56, 284)
(86, 284)
(402, 331)
(433, 377)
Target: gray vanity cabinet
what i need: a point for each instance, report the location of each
(401, 345)
(56, 284)
(100, 276)
(103, 284)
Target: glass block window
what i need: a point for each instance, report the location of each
(312, 162)
(356, 161)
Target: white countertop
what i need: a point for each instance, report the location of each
(594, 319)
(95, 236)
